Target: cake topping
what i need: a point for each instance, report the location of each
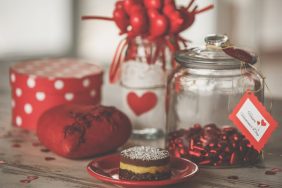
(145, 153)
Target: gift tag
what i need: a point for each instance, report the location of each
(253, 120)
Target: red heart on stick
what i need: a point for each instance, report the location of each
(153, 4)
(121, 20)
(159, 23)
(142, 104)
(138, 21)
(263, 123)
(128, 4)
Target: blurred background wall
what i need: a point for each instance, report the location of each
(35, 28)
(40, 28)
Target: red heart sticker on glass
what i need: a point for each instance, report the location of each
(141, 104)
(253, 120)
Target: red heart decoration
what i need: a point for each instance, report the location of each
(188, 17)
(159, 23)
(138, 21)
(153, 4)
(128, 4)
(140, 105)
(176, 21)
(121, 20)
(263, 123)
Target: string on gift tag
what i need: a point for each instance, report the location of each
(244, 68)
(263, 79)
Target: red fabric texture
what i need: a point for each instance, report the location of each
(81, 131)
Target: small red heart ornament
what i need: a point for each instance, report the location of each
(159, 23)
(153, 4)
(121, 20)
(128, 4)
(138, 20)
(263, 123)
(142, 104)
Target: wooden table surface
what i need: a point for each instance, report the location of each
(21, 156)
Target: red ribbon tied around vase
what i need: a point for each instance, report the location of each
(155, 20)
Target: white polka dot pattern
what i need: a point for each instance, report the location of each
(18, 92)
(31, 82)
(19, 121)
(92, 93)
(13, 103)
(28, 108)
(13, 78)
(40, 96)
(69, 96)
(86, 83)
(43, 84)
(59, 84)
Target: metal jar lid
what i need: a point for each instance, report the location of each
(210, 56)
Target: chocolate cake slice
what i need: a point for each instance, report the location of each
(144, 163)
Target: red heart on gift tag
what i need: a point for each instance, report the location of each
(142, 104)
(263, 123)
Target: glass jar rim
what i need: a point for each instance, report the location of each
(210, 56)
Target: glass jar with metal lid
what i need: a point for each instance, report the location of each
(201, 93)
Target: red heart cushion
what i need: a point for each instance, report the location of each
(80, 131)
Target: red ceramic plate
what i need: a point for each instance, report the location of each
(106, 169)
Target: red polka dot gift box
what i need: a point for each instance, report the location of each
(39, 85)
